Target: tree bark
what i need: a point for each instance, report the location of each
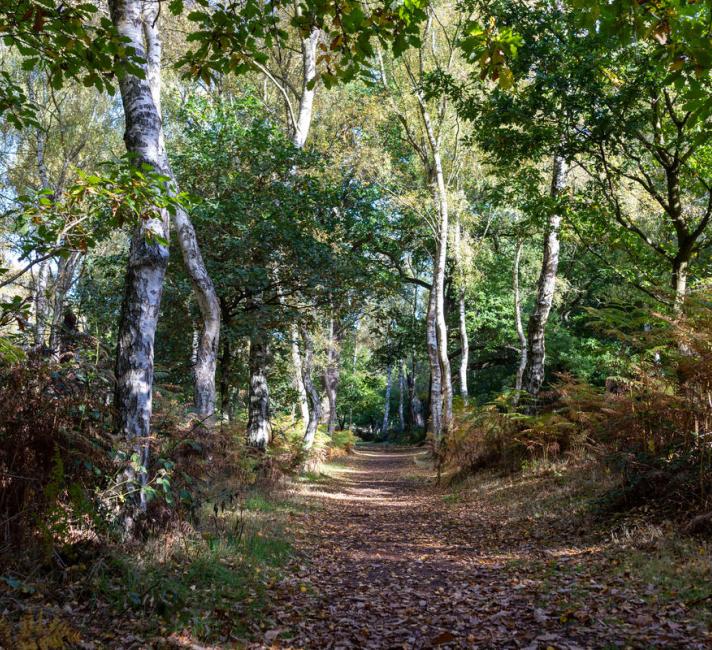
(65, 277)
(306, 101)
(203, 288)
(331, 374)
(401, 396)
(436, 394)
(518, 322)
(387, 403)
(301, 131)
(534, 373)
(437, 300)
(462, 313)
(315, 412)
(259, 429)
(415, 405)
(299, 374)
(41, 304)
(148, 257)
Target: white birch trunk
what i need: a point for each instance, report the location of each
(462, 312)
(439, 266)
(41, 304)
(518, 321)
(534, 373)
(203, 288)
(331, 374)
(436, 394)
(301, 131)
(401, 396)
(148, 258)
(307, 368)
(387, 404)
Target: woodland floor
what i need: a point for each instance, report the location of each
(389, 560)
(371, 553)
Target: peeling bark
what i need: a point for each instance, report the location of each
(203, 288)
(148, 258)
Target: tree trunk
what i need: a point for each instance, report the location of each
(387, 404)
(437, 300)
(435, 403)
(306, 101)
(41, 304)
(225, 365)
(401, 396)
(148, 257)
(307, 367)
(259, 429)
(331, 375)
(534, 373)
(209, 338)
(415, 405)
(680, 268)
(301, 131)
(299, 373)
(462, 312)
(203, 288)
(518, 321)
(65, 277)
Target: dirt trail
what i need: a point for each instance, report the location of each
(386, 562)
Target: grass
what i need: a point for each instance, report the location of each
(212, 583)
(676, 569)
(557, 504)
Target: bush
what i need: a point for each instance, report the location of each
(53, 444)
(652, 427)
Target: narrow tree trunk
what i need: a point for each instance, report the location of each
(387, 404)
(462, 312)
(65, 277)
(401, 396)
(301, 131)
(307, 368)
(41, 304)
(209, 338)
(299, 374)
(225, 366)
(680, 266)
(148, 258)
(437, 300)
(331, 375)
(259, 429)
(306, 101)
(203, 288)
(436, 396)
(534, 373)
(518, 321)
(415, 405)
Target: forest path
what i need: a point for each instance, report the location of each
(387, 560)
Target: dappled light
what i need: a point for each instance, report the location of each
(355, 325)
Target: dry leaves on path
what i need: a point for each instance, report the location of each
(384, 563)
